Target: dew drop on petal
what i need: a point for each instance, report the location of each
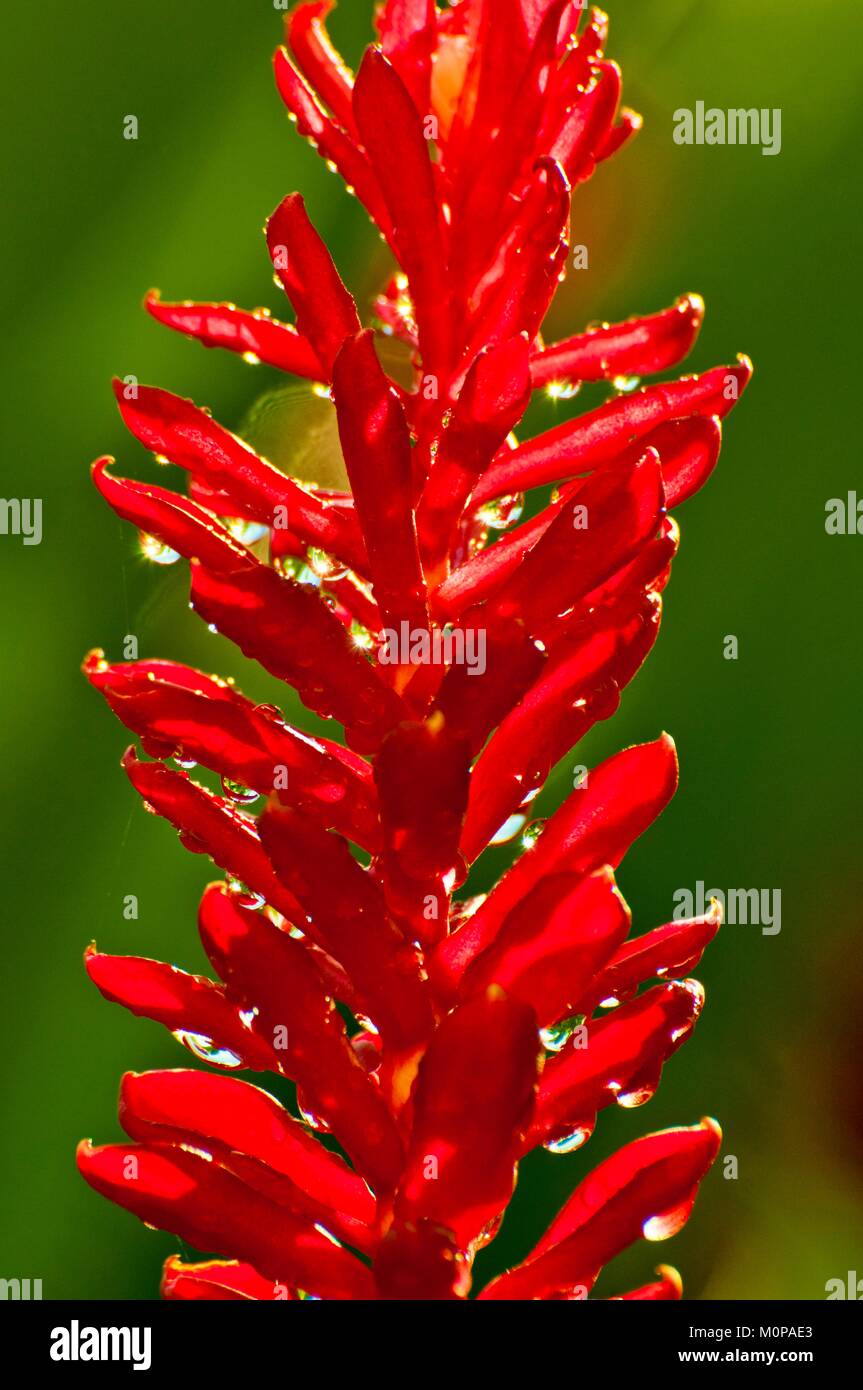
(246, 532)
(667, 1223)
(626, 384)
(555, 1038)
(568, 1143)
(325, 566)
(464, 909)
(532, 834)
(238, 793)
(639, 1095)
(206, 1050)
(502, 513)
(245, 897)
(562, 390)
(191, 842)
(311, 1119)
(508, 831)
(154, 549)
(362, 637)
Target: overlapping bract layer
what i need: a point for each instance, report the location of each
(437, 1039)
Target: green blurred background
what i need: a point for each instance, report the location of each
(769, 744)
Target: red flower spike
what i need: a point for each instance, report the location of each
(220, 1280)
(647, 1188)
(594, 826)
(326, 313)
(251, 1135)
(466, 1135)
(207, 1206)
(256, 335)
(421, 1030)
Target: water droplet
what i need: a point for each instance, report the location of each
(270, 712)
(206, 1050)
(508, 831)
(295, 567)
(154, 549)
(555, 1038)
(488, 1233)
(311, 1119)
(568, 1143)
(246, 532)
(362, 637)
(242, 895)
(191, 842)
(325, 566)
(668, 1223)
(639, 1095)
(464, 909)
(185, 763)
(532, 834)
(503, 512)
(562, 390)
(626, 384)
(238, 793)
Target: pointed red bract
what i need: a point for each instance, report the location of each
(207, 1206)
(256, 335)
(466, 1135)
(249, 1133)
(434, 1035)
(646, 1189)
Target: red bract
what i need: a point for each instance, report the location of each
(435, 1037)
